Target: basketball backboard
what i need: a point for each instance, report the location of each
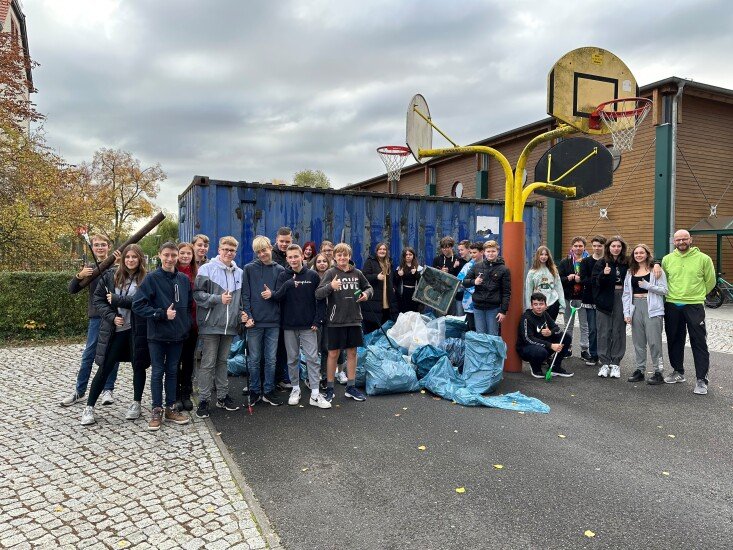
(583, 79)
(586, 165)
(419, 132)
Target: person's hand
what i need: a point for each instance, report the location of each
(643, 284)
(657, 271)
(546, 332)
(109, 297)
(226, 298)
(314, 328)
(249, 323)
(119, 321)
(84, 273)
(362, 297)
(244, 317)
(117, 254)
(478, 280)
(607, 270)
(456, 263)
(413, 270)
(628, 320)
(445, 269)
(170, 313)
(400, 272)
(267, 293)
(500, 317)
(380, 277)
(336, 284)
(556, 347)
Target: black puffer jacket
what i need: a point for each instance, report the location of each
(495, 288)
(107, 311)
(604, 286)
(371, 270)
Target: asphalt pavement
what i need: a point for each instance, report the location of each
(614, 464)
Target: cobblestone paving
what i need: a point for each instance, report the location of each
(113, 484)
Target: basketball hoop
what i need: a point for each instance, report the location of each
(394, 157)
(622, 121)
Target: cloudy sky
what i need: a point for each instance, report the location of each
(256, 90)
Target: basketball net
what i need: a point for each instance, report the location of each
(394, 158)
(623, 122)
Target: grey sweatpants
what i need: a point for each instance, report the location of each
(612, 332)
(645, 331)
(213, 367)
(308, 341)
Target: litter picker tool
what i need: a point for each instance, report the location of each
(574, 306)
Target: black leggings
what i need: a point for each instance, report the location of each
(119, 349)
(185, 366)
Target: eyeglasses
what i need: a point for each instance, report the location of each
(228, 250)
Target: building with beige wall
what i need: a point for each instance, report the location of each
(12, 20)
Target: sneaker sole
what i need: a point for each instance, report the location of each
(206, 415)
(153, 428)
(179, 422)
(536, 375)
(355, 398)
(675, 381)
(319, 406)
(563, 375)
(226, 408)
(700, 392)
(132, 417)
(265, 400)
(88, 423)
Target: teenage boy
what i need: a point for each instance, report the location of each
(492, 291)
(587, 303)
(165, 299)
(283, 240)
(464, 255)
(327, 251)
(344, 287)
(539, 337)
(200, 249)
(302, 316)
(259, 282)
(217, 292)
(477, 251)
(100, 247)
(569, 271)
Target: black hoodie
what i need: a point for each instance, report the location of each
(342, 309)
(496, 287)
(530, 330)
(155, 294)
(296, 293)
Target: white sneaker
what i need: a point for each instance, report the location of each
(294, 398)
(133, 411)
(73, 398)
(107, 397)
(615, 371)
(341, 378)
(603, 371)
(319, 400)
(87, 417)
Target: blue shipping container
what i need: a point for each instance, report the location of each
(243, 210)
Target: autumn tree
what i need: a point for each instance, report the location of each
(16, 84)
(311, 178)
(128, 188)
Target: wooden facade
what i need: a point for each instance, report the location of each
(704, 147)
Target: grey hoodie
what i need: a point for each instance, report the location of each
(342, 309)
(213, 279)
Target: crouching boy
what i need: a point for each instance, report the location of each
(539, 337)
(343, 287)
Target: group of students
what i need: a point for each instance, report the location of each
(611, 288)
(291, 300)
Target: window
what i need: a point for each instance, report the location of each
(457, 190)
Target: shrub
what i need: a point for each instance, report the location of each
(38, 305)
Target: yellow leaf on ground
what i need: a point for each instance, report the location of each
(561, 436)
(520, 412)
(671, 436)
(211, 509)
(498, 466)
(590, 534)
(123, 543)
(404, 408)
(397, 414)
(460, 490)
(304, 469)
(422, 447)
(665, 473)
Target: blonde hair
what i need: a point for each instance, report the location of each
(260, 242)
(200, 236)
(342, 248)
(229, 240)
(491, 244)
(100, 237)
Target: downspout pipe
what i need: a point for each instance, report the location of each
(673, 162)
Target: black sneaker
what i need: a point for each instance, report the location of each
(559, 371)
(638, 376)
(227, 404)
(178, 405)
(585, 354)
(253, 399)
(187, 403)
(329, 394)
(323, 385)
(536, 372)
(592, 361)
(203, 409)
(655, 379)
(272, 399)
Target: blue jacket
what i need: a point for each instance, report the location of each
(157, 292)
(296, 293)
(255, 275)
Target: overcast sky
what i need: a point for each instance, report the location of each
(256, 90)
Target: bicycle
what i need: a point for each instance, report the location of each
(722, 292)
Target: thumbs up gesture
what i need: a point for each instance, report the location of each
(170, 313)
(226, 298)
(607, 270)
(267, 293)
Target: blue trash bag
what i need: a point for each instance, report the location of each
(236, 365)
(517, 401)
(377, 335)
(455, 328)
(388, 372)
(455, 348)
(425, 357)
(361, 373)
(483, 365)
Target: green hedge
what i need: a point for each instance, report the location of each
(38, 305)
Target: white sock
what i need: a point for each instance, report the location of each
(314, 394)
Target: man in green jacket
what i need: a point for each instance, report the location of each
(690, 277)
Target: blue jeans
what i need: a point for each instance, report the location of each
(261, 340)
(486, 322)
(164, 356)
(590, 315)
(87, 360)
